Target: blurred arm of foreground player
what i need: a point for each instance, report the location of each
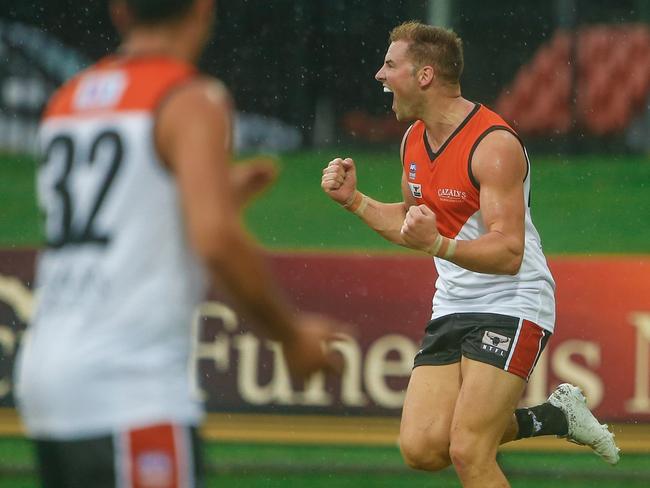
(192, 133)
(251, 177)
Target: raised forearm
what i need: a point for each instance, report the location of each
(384, 218)
(492, 253)
(240, 266)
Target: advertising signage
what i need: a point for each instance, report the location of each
(601, 343)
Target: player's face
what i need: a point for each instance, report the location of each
(397, 74)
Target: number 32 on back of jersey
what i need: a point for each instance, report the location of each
(74, 182)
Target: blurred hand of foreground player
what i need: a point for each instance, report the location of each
(249, 178)
(308, 350)
(339, 180)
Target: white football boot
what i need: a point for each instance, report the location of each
(584, 428)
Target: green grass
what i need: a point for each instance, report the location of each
(592, 205)
(583, 205)
(283, 466)
(19, 216)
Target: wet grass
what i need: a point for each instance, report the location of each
(582, 205)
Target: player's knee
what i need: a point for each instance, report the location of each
(466, 451)
(423, 455)
(461, 455)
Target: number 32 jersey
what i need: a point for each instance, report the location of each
(109, 345)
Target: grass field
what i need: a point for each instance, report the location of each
(265, 465)
(583, 206)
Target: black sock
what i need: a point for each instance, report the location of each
(544, 419)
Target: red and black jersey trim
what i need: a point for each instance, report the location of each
(434, 154)
(487, 131)
(405, 143)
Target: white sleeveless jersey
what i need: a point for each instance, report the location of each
(109, 345)
(444, 182)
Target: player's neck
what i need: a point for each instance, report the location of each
(443, 117)
(159, 41)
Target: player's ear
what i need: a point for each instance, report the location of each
(425, 76)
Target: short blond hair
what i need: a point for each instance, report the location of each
(431, 45)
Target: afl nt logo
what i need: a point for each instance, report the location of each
(495, 343)
(412, 169)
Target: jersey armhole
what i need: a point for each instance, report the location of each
(487, 131)
(164, 99)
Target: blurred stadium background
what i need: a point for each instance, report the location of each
(573, 76)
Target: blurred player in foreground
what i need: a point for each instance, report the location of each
(142, 210)
(466, 190)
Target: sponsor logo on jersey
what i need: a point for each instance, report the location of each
(451, 195)
(495, 343)
(412, 170)
(154, 469)
(416, 189)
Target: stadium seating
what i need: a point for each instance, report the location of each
(365, 127)
(612, 82)
(594, 80)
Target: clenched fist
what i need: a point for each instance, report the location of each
(419, 229)
(339, 180)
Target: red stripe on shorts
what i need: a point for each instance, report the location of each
(154, 457)
(526, 349)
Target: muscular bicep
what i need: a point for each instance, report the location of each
(194, 138)
(499, 165)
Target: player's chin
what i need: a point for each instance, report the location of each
(401, 115)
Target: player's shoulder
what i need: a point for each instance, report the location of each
(413, 132)
(493, 134)
(202, 105)
(489, 117)
(415, 128)
(499, 155)
(205, 90)
(61, 100)
(498, 150)
(498, 139)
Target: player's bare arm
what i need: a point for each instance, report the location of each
(193, 133)
(339, 181)
(499, 166)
